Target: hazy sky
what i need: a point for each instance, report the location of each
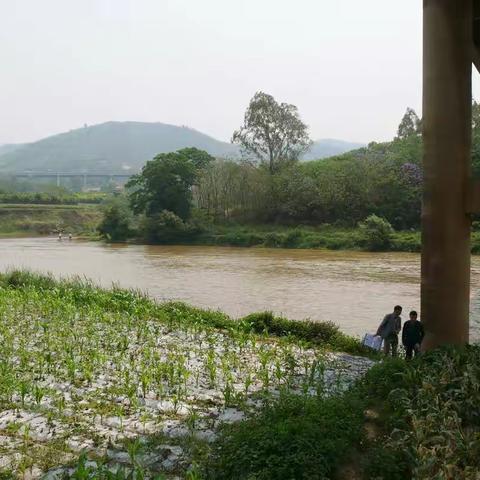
(352, 67)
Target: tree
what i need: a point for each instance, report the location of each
(199, 158)
(163, 227)
(272, 132)
(116, 224)
(165, 182)
(410, 125)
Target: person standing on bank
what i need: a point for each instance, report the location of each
(389, 330)
(412, 335)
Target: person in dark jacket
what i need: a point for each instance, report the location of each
(389, 330)
(412, 335)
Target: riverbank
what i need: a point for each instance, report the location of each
(83, 219)
(97, 381)
(303, 237)
(35, 219)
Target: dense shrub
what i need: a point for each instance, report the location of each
(377, 233)
(296, 438)
(240, 239)
(116, 224)
(273, 239)
(406, 242)
(383, 462)
(266, 322)
(163, 227)
(428, 426)
(432, 414)
(292, 239)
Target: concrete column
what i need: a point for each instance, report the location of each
(447, 98)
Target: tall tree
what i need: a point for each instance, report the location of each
(410, 125)
(272, 132)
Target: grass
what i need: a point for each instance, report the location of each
(113, 372)
(83, 293)
(427, 426)
(298, 437)
(323, 236)
(303, 237)
(22, 220)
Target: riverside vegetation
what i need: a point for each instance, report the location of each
(366, 199)
(109, 384)
(51, 210)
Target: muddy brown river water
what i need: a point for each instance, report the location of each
(353, 289)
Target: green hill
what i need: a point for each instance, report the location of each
(122, 147)
(109, 147)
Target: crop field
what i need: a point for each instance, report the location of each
(132, 386)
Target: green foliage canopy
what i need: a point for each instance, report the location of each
(165, 182)
(272, 132)
(116, 224)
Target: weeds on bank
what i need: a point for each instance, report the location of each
(428, 427)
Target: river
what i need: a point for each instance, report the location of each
(352, 289)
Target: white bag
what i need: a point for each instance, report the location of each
(372, 341)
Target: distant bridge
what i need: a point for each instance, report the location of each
(84, 176)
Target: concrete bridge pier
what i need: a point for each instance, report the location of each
(447, 99)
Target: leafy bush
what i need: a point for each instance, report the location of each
(163, 227)
(273, 239)
(384, 462)
(377, 233)
(475, 247)
(428, 426)
(432, 410)
(240, 239)
(297, 437)
(292, 239)
(406, 242)
(116, 224)
(266, 322)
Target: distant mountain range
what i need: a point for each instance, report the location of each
(10, 147)
(328, 147)
(123, 147)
